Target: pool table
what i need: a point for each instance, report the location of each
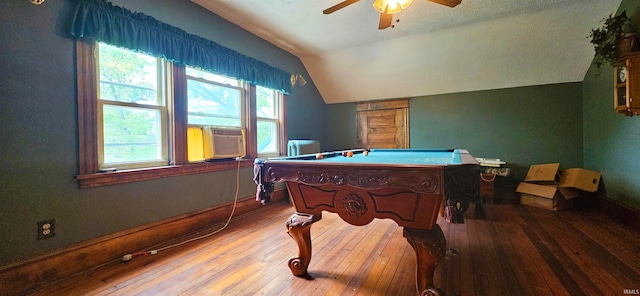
(406, 185)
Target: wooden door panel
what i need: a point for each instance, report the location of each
(383, 124)
(381, 130)
(381, 121)
(382, 138)
(387, 140)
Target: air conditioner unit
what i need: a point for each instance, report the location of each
(213, 142)
(222, 142)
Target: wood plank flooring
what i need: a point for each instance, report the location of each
(517, 250)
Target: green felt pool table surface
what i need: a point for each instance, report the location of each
(388, 157)
(383, 156)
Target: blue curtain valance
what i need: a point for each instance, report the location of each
(102, 21)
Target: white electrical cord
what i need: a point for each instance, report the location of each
(130, 256)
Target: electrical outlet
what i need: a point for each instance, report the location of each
(46, 229)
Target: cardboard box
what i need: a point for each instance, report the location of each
(547, 197)
(544, 174)
(580, 179)
(550, 174)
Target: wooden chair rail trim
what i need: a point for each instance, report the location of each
(21, 277)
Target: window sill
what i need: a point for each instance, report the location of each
(128, 176)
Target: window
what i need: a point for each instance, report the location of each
(267, 116)
(134, 114)
(132, 109)
(213, 99)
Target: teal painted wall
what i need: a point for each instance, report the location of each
(611, 141)
(39, 137)
(340, 126)
(522, 126)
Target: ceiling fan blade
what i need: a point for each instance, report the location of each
(450, 3)
(385, 20)
(339, 6)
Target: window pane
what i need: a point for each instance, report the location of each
(266, 103)
(218, 121)
(131, 134)
(211, 77)
(267, 137)
(126, 76)
(213, 99)
(213, 104)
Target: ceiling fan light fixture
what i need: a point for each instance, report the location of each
(380, 5)
(404, 3)
(391, 6)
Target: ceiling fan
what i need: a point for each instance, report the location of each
(387, 8)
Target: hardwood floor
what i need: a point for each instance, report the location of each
(516, 250)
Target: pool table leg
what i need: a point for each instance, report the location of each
(430, 247)
(299, 228)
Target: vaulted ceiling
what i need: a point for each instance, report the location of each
(432, 49)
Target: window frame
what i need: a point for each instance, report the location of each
(90, 174)
(163, 97)
(277, 120)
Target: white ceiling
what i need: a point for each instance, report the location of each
(434, 49)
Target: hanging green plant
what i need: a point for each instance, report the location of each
(606, 39)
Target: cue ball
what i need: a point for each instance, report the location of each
(318, 155)
(366, 153)
(350, 154)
